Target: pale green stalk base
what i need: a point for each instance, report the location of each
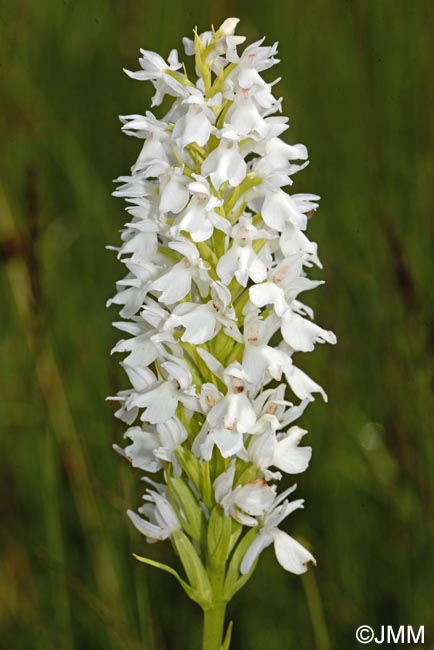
(214, 615)
(213, 626)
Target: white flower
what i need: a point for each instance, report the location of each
(143, 350)
(161, 518)
(272, 402)
(254, 57)
(230, 417)
(161, 399)
(241, 260)
(291, 555)
(150, 447)
(200, 218)
(197, 123)
(172, 433)
(226, 162)
(203, 321)
(141, 452)
(244, 117)
(174, 194)
(136, 288)
(155, 69)
(246, 502)
(175, 284)
(276, 154)
(260, 359)
(279, 209)
(301, 334)
(268, 449)
(293, 241)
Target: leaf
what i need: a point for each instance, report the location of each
(206, 490)
(236, 586)
(236, 532)
(189, 505)
(191, 593)
(219, 536)
(250, 474)
(228, 636)
(234, 582)
(189, 464)
(193, 566)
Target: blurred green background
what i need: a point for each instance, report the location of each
(358, 86)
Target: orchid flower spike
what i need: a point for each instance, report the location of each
(216, 257)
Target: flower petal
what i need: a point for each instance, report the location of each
(223, 484)
(141, 452)
(230, 442)
(302, 385)
(174, 285)
(301, 334)
(279, 209)
(255, 498)
(288, 456)
(146, 528)
(291, 555)
(260, 542)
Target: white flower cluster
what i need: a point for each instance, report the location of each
(216, 251)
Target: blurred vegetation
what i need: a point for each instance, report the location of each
(358, 86)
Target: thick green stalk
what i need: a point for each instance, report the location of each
(214, 615)
(213, 626)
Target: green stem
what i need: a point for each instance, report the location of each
(214, 615)
(213, 626)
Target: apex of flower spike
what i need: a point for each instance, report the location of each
(228, 27)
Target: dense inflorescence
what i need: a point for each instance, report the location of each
(216, 252)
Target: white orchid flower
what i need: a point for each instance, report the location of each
(143, 348)
(268, 448)
(196, 124)
(200, 218)
(255, 56)
(241, 260)
(276, 154)
(272, 402)
(291, 555)
(244, 116)
(259, 359)
(135, 291)
(140, 452)
(157, 144)
(301, 334)
(246, 502)
(140, 242)
(152, 445)
(231, 417)
(202, 322)
(174, 194)
(161, 399)
(225, 163)
(293, 241)
(155, 69)
(171, 433)
(279, 209)
(161, 518)
(175, 284)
